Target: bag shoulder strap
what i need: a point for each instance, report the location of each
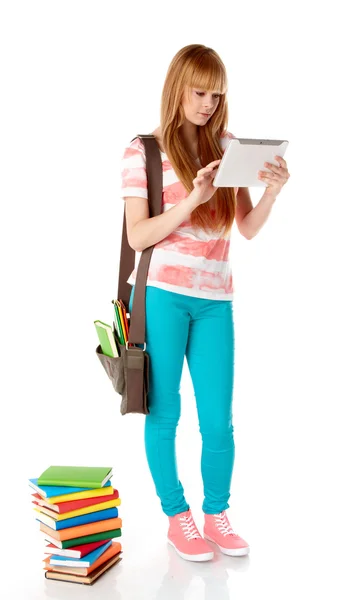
(127, 254)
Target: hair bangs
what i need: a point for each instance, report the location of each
(207, 74)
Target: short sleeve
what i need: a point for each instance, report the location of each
(133, 170)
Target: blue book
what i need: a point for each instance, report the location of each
(99, 515)
(49, 491)
(86, 561)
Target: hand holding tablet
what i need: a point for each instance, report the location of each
(243, 158)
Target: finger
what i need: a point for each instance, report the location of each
(273, 168)
(206, 170)
(276, 173)
(266, 176)
(213, 163)
(281, 161)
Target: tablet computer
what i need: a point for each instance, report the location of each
(243, 158)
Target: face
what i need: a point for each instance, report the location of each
(201, 106)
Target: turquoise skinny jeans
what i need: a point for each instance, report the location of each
(202, 330)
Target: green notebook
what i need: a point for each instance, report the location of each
(107, 339)
(84, 477)
(85, 539)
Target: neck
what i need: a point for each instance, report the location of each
(189, 133)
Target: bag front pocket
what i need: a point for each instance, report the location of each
(115, 368)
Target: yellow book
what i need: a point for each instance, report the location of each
(121, 320)
(94, 493)
(80, 511)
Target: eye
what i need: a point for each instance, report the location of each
(215, 95)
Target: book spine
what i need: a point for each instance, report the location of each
(76, 484)
(94, 537)
(92, 517)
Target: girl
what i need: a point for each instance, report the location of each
(190, 290)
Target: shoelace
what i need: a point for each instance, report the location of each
(221, 521)
(189, 528)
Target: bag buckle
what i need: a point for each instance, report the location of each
(135, 346)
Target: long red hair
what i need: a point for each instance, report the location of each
(200, 67)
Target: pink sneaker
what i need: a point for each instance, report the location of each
(184, 536)
(217, 529)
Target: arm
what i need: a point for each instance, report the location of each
(143, 231)
(250, 219)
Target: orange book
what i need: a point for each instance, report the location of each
(124, 312)
(81, 530)
(114, 549)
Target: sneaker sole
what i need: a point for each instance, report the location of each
(193, 557)
(230, 551)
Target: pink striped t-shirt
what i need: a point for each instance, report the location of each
(189, 260)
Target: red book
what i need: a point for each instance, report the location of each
(74, 551)
(64, 507)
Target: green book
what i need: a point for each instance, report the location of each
(85, 539)
(107, 339)
(84, 477)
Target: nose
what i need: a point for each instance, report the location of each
(208, 106)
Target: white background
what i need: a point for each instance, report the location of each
(79, 80)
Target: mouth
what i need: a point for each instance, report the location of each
(205, 114)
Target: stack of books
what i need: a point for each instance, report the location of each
(78, 515)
